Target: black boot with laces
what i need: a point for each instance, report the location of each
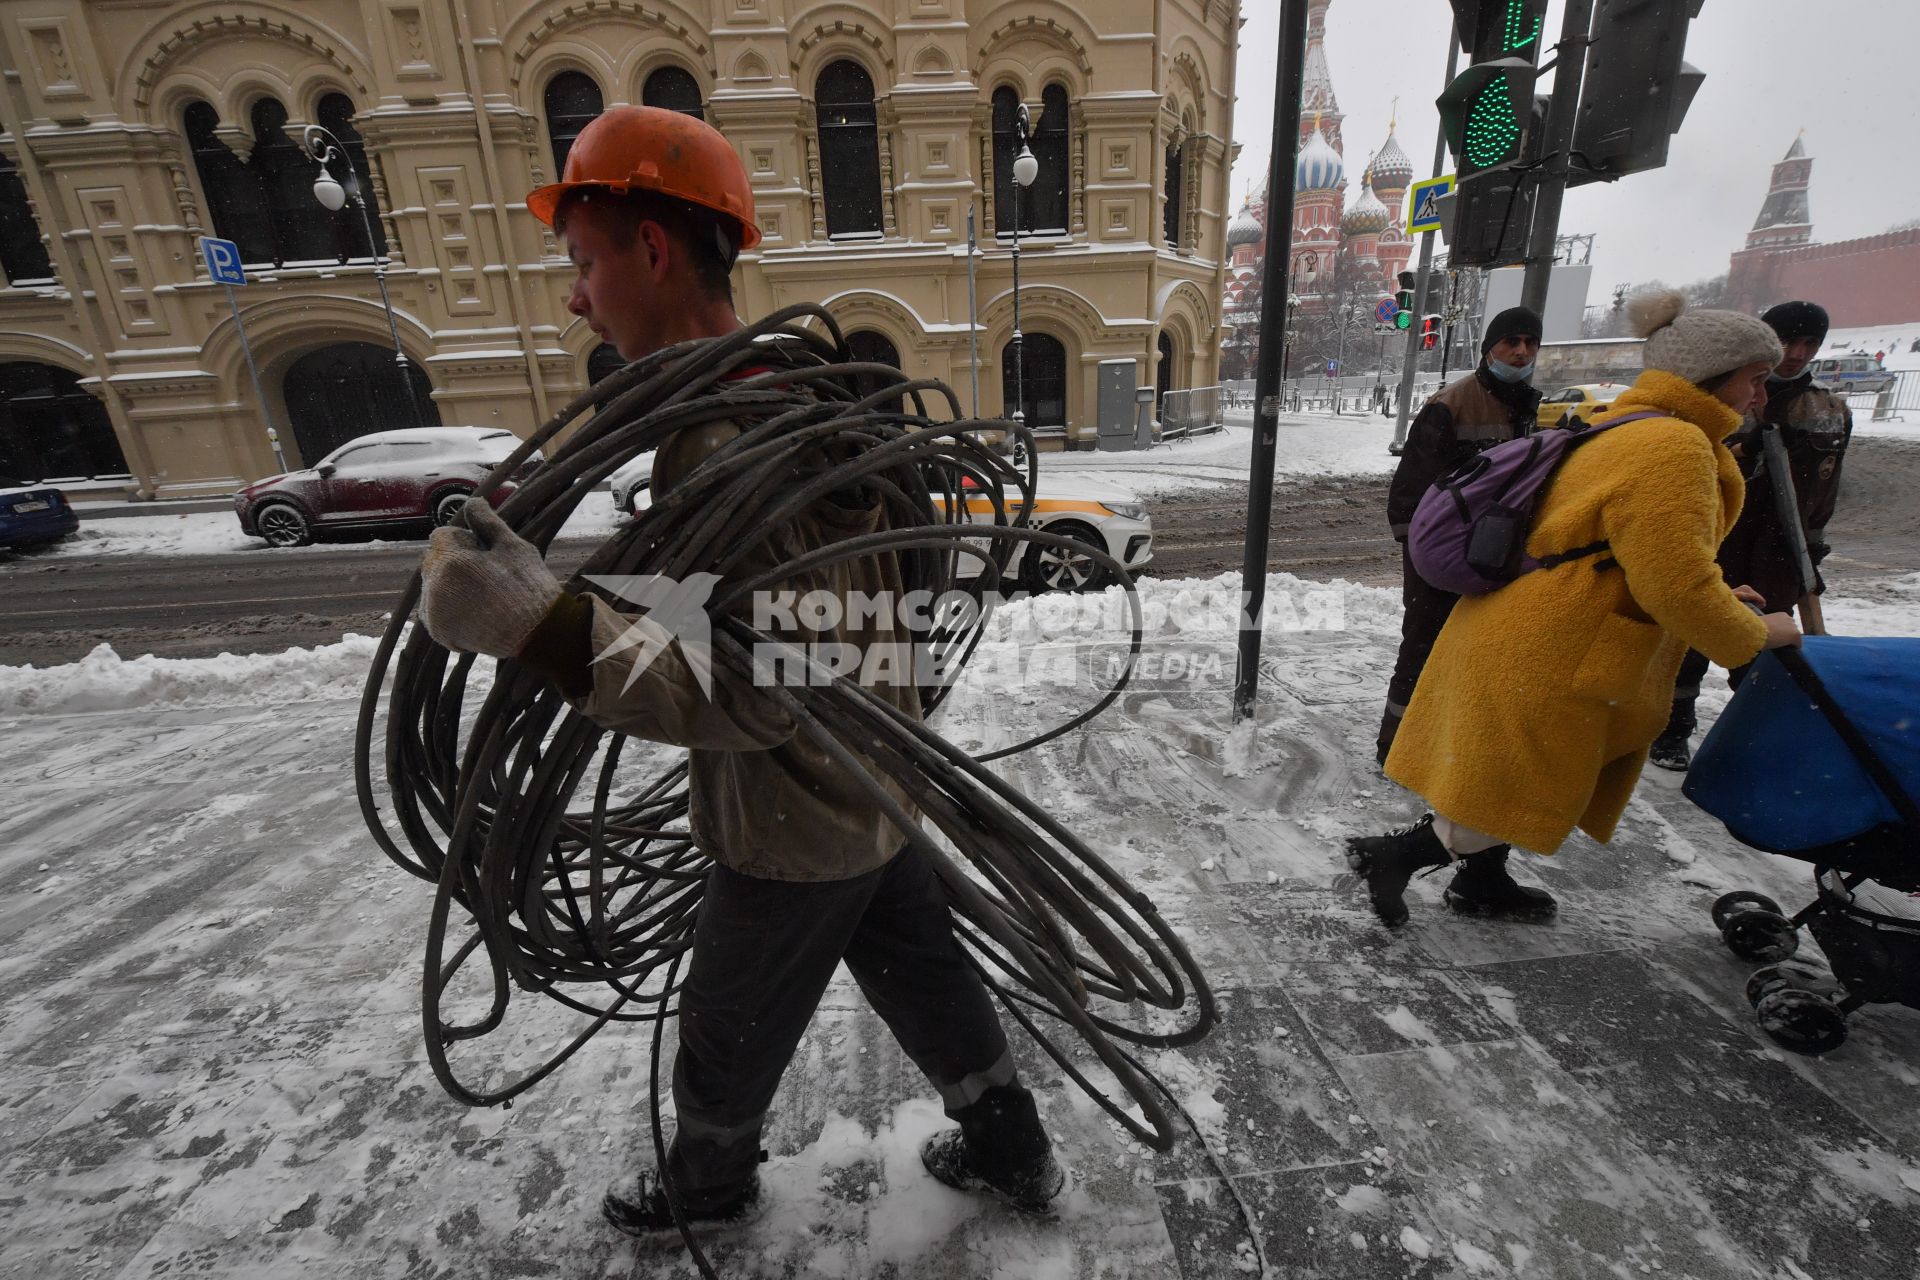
(1001, 1149)
(1483, 887)
(641, 1209)
(1388, 862)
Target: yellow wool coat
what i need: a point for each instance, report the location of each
(1536, 710)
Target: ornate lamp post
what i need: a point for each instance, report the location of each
(1025, 169)
(325, 148)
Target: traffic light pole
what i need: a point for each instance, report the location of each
(1570, 61)
(1425, 274)
(1288, 86)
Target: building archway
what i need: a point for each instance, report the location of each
(349, 389)
(1163, 373)
(604, 362)
(1045, 358)
(870, 346)
(52, 430)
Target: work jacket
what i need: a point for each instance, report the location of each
(767, 799)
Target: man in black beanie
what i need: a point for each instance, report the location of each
(1493, 404)
(1816, 426)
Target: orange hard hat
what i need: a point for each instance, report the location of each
(653, 149)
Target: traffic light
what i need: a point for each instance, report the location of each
(1637, 89)
(1491, 117)
(1429, 333)
(1403, 319)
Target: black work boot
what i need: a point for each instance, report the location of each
(1482, 887)
(1670, 750)
(999, 1149)
(1389, 861)
(642, 1209)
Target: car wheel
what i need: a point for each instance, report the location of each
(633, 497)
(447, 506)
(1052, 568)
(283, 525)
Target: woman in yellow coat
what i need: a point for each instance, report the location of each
(1535, 713)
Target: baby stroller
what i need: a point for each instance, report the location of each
(1818, 758)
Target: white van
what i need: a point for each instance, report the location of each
(1853, 374)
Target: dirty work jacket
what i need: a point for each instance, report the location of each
(767, 801)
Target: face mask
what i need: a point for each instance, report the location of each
(1509, 373)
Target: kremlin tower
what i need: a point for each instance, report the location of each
(1371, 234)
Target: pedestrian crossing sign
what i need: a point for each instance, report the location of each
(1424, 204)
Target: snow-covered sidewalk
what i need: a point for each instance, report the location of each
(215, 1061)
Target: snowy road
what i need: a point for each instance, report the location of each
(210, 1020)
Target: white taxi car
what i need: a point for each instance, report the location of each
(1088, 511)
(1096, 514)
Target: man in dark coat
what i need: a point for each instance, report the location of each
(1816, 426)
(1493, 404)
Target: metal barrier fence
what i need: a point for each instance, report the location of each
(1898, 403)
(1353, 396)
(1184, 414)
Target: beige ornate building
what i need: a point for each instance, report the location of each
(869, 128)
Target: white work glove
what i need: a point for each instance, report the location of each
(483, 588)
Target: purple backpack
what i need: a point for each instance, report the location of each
(1469, 533)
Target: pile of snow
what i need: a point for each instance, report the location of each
(104, 681)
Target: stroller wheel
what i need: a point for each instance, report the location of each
(1741, 899)
(1803, 1021)
(1762, 981)
(1760, 935)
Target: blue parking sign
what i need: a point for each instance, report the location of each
(223, 260)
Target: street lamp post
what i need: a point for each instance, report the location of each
(1025, 169)
(325, 148)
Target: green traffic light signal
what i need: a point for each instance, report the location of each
(1404, 320)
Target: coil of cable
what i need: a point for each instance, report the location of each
(559, 851)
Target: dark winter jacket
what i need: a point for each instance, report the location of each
(1465, 418)
(1816, 426)
(766, 799)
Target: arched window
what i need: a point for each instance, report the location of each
(351, 389)
(1175, 180)
(1043, 206)
(1163, 377)
(849, 150)
(52, 430)
(22, 256)
(304, 230)
(1046, 362)
(236, 205)
(871, 347)
(1046, 199)
(674, 89)
(604, 361)
(573, 100)
(336, 116)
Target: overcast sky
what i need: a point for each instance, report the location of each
(1842, 69)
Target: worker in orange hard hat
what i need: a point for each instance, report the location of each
(808, 870)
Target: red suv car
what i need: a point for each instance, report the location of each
(404, 479)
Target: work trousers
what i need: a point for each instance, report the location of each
(1425, 609)
(763, 954)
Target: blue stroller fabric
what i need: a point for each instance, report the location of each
(1775, 770)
